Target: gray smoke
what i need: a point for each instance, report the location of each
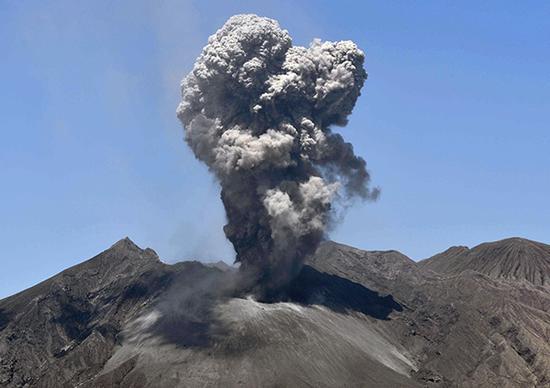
(258, 111)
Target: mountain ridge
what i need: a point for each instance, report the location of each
(510, 259)
(121, 317)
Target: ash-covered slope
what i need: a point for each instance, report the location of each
(466, 330)
(512, 259)
(63, 330)
(352, 318)
(123, 318)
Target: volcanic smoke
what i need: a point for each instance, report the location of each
(258, 112)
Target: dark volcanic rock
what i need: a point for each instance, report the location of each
(512, 259)
(467, 318)
(63, 330)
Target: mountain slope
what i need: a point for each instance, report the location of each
(63, 329)
(512, 259)
(352, 318)
(466, 329)
(123, 316)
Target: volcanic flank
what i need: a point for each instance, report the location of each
(513, 258)
(258, 112)
(359, 319)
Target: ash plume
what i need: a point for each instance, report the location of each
(258, 112)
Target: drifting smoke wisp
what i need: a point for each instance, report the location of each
(258, 112)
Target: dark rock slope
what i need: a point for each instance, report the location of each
(63, 330)
(464, 318)
(514, 259)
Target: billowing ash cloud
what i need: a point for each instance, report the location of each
(258, 112)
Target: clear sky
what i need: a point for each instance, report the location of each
(453, 122)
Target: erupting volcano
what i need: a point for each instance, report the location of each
(258, 112)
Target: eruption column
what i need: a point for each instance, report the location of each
(258, 111)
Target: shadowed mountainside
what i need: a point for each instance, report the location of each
(467, 317)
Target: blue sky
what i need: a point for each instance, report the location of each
(453, 123)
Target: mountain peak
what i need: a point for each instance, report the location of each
(512, 258)
(515, 248)
(125, 243)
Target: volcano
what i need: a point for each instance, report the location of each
(466, 317)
